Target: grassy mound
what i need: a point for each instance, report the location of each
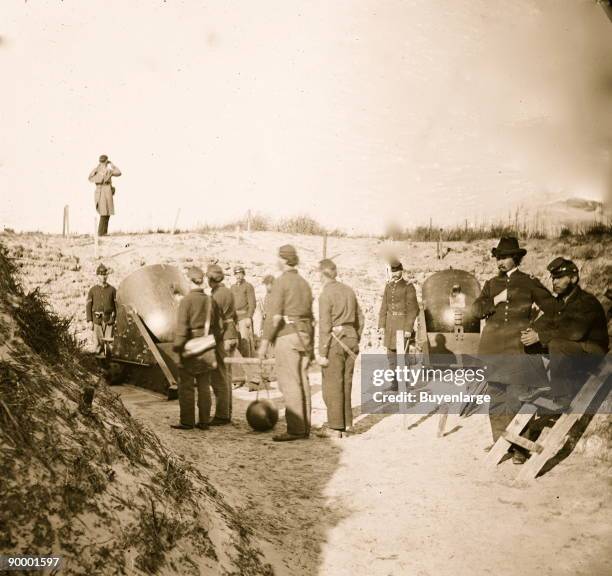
(97, 488)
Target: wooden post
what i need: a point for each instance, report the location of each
(96, 237)
(325, 245)
(66, 222)
(176, 220)
(439, 245)
(249, 221)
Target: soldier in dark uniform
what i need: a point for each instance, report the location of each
(244, 301)
(340, 326)
(576, 334)
(221, 377)
(398, 311)
(101, 309)
(195, 309)
(506, 302)
(290, 327)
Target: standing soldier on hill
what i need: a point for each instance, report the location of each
(198, 315)
(244, 300)
(506, 302)
(102, 176)
(398, 311)
(290, 326)
(101, 309)
(340, 326)
(221, 377)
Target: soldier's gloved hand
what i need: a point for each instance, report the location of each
(322, 361)
(529, 337)
(501, 297)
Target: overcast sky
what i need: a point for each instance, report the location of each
(350, 111)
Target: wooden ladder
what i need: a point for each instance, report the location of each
(548, 445)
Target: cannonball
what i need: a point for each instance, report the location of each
(262, 415)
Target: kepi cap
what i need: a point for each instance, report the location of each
(102, 270)
(215, 272)
(562, 267)
(288, 253)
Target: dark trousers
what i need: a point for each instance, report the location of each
(221, 383)
(570, 364)
(103, 225)
(392, 362)
(338, 384)
(511, 376)
(187, 384)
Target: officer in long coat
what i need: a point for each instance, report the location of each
(290, 326)
(506, 303)
(102, 176)
(340, 326)
(576, 334)
(398, 311)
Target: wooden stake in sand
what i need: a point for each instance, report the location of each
(66, 222)
(178, 212)
(249, 221)
(324, 245)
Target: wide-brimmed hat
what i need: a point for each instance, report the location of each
(508, 246)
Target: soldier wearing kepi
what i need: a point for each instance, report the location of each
(290, 326)
(398, 311)
(221, 377)
(101, 309)
(576, 334)
(340, 326)
(102, 176)
(197, 315)
(244, 301)
(506, 302)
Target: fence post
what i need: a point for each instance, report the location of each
(66, 222)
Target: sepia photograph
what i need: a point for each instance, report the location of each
(306, 287)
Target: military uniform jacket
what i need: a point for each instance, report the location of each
(580, 318)
(338, 311)
(290, 298)
(504, 322)
(244, 299)
(101, 299)
(192, 314)
(222, 295)
(398, 310)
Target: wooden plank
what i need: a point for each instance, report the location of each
(253, 361)
(153, 348)
(557, 435)
(522, 442)
(500, 448)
